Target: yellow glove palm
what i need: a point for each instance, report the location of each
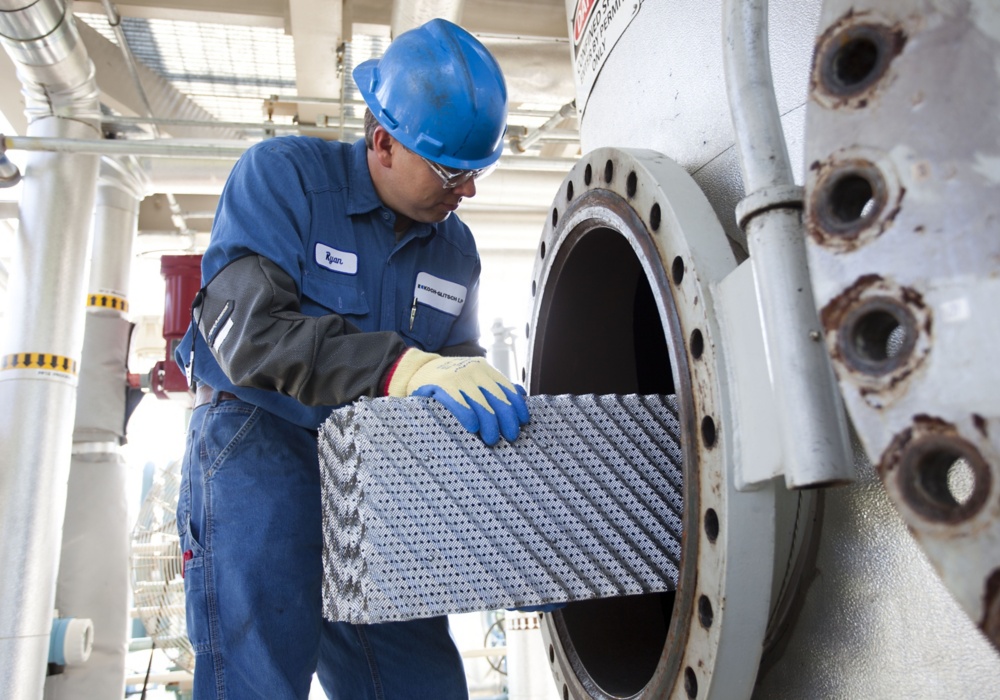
(483, 400)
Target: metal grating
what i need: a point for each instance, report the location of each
(421, 518)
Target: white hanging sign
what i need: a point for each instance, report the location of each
(596, 26)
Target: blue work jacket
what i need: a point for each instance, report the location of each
(310, 207)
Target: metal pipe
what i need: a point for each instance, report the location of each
(204, 123)
(162, 148)
(45, 322)
(811, 417)
(10, 174)
(171, 148)
(520, 144)
(305, 99)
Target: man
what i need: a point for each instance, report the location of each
(334, 271)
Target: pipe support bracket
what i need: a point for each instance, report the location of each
(766, 199)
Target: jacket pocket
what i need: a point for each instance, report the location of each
(430, 327)
(333, 292)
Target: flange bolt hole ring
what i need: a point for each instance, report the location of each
(855, 58)
(944, 478)
(711, 525)
(677, 270)
(708, 435)
(705, 612)
(849, 198)
(877, 336)
(690, 683)
(697, 344)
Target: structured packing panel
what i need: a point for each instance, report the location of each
(421, 518)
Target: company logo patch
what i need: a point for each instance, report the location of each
(439, 293)
(336, 260)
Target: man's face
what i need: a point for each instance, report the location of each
(408, 186)
(424, 196)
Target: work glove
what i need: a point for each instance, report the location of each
(483, 400)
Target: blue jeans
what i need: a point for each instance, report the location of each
(250, 528)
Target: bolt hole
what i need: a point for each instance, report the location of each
(708, 431)
(609, 171)
(533, 287)
(555, 217)
(711, 525)
(631, 184)
(552, 655)
(677, 270)
(565, 692)
(588, 175)
(852, 199)
(697, 344)
(569, 191)
(690, 683)
(541, 250)
(944, 478)
(705, 612)
(880, 334)
(654, 217)
(857, 57)
(527, 330)
(855, 61)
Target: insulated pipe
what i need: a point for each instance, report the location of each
(45, 323)
(811, 417)
(94, 567)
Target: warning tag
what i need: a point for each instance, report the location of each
(597, 25)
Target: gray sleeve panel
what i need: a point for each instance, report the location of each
(251, 319)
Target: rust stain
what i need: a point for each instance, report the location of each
(832, 315)
(822, 223)
(980, 424)
(879, 382)
(891, 39)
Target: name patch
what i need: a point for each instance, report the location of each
(441, 294)
(336, 260)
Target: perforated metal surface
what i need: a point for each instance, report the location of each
(421, 518)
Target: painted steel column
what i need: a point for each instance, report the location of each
(93, 577)
(44, 334)
(317, 27)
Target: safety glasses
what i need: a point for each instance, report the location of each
(453, 177)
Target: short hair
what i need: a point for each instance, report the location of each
(370, 124)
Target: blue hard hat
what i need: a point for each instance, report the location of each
(440, 93)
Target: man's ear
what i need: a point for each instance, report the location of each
(384, 146)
